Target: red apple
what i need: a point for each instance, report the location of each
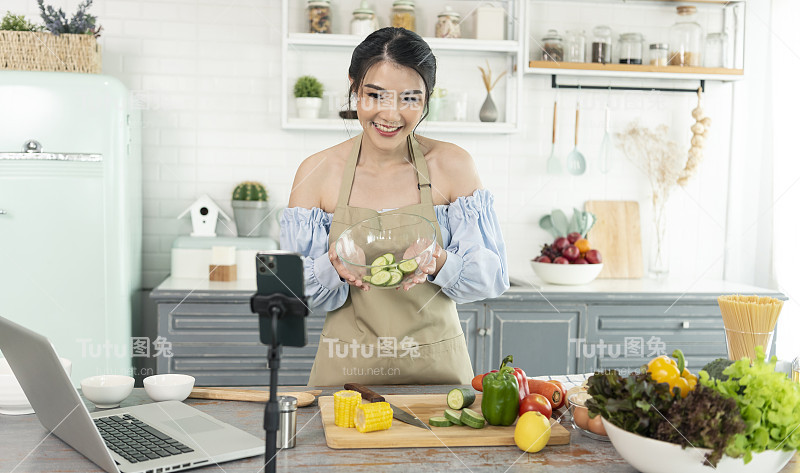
(536, 402)
(561, 260)
(571, 252)
(544, 259)
(580, 261)
(573, 237)
(560, 244)
(594, 257)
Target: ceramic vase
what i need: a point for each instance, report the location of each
(488, 111)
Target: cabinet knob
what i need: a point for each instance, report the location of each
(3, 212)
(484, 331)
(685, 324)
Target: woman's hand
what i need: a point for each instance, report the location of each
(430, 263)
(354, 279)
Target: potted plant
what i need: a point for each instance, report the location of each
(308, 96)
(250, 209)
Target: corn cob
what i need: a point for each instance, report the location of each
(373, 416)
(344, 407)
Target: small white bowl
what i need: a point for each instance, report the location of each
(107, 391)
(567, 274)
(12, 398)
(168, 387)
(654, 456)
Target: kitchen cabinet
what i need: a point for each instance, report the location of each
(327, 57)
(609, 324)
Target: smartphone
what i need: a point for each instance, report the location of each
(282, 272)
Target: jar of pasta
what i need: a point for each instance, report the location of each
(404, 15)
(448, 24)
(319, 16)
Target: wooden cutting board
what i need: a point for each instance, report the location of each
(304, 398)
(618, 236)
(424, 406)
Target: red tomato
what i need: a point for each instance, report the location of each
(536, 402)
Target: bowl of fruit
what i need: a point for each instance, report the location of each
(569, 260)
(386, 250)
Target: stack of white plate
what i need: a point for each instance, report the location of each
(13, 401)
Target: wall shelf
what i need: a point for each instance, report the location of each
(334, 124)
(633, 71)
(437, 44)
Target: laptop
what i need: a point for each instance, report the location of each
(150, 438)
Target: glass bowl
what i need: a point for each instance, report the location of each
(580, 415)
(387, 250)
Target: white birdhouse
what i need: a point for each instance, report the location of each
(204, 217)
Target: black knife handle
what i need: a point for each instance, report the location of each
(366, 393)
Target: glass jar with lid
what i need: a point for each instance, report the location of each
(448, 23)
(319, 16)
(630, 48)
(601, 44)
(659, 54)
(363, 22)
(575, 48)
(404, 15)
(685, 39)
(552, 47)
(716, 53)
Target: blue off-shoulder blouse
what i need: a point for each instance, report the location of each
(476, 267)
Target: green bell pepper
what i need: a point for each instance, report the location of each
(500, 403)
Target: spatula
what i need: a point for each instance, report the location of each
(576, 163)
(553, 163)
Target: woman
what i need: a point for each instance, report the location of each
(410, 336)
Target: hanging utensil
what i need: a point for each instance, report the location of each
(604, 158)
(576, 163)
(553, 163)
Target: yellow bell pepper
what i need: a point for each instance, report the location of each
(664, 370)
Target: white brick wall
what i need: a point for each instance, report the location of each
(208, 75)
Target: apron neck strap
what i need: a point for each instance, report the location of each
(417, 160)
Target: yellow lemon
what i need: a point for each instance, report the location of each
(532, 432)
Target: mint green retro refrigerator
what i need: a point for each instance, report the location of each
(70, 214)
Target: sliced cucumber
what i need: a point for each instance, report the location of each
(460, 398)
(389, 258)
(408, 266)
(378, 265)
(453, 416)
(472, 419)
(381, 278)
(367, 279)
(439, 421)
(397, 276)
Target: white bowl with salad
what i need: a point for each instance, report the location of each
(386, 250)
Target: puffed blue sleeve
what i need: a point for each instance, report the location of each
(305, 231)
(476, 267)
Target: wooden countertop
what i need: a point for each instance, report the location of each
(26, 446)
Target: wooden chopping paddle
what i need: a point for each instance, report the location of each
(304, 398)
(618, 236)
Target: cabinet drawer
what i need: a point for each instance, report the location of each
(242, 371)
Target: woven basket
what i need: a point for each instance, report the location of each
(34, 51)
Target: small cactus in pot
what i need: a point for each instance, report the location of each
(250, 209)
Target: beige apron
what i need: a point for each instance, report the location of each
(421, 341)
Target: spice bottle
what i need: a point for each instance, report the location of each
(575, 49)
(630, 48)
(685, 39)
(319, 16)
(659, 54)
(601, 44)
(363, 22)
(448, 24)
(552, 47)
(716, 50)
(403, 15)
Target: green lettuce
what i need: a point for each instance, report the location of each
(769, 403)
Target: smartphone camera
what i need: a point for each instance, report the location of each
(267, 264)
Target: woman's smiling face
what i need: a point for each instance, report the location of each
(390, 104)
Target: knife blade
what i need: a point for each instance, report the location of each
(399, 414)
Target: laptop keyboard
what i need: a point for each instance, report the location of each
(136, 441)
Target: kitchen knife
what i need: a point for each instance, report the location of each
(399, 414)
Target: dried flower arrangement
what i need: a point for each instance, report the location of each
(81, 23)
(487, 77)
